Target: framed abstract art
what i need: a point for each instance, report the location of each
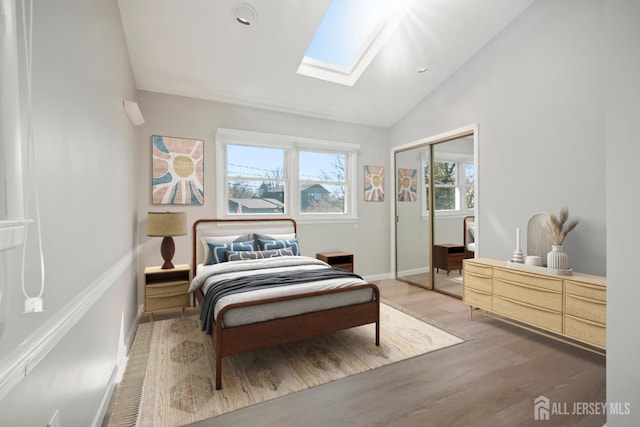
(407, 185)
(178, 171)
(373, 183)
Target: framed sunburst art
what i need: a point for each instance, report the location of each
(373, 183)
(178, 171)
(407, 185)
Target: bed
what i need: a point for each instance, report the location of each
(255, 290)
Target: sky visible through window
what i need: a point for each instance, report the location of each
(345, 28)
(258, 162)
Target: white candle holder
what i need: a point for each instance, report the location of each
(518, 256)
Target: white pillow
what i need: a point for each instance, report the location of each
(220, 239)
(287, 236)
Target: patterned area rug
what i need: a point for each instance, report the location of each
(179, 381)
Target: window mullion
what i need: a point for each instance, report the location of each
(293, 179)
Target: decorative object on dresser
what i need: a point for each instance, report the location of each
(537, 237)
(517, 254)
(571, 309)
(558, 229)
(166, 289)
(448, 256)
(167, 225)
(341, 260)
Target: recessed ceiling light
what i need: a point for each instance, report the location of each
(422, 70)
(244, 14)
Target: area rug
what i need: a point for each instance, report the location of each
(178, 385)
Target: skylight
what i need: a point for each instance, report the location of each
(349, 36)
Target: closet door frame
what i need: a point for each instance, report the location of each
(427, 143)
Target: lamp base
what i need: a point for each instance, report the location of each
(167, 249)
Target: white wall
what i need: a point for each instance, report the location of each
(536, 92)
(368, 239)
(540, 95)
(622, 152)
(86, 155)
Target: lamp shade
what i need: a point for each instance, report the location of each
(163, 224)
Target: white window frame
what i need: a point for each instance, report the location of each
(461, 160)
(292, 146)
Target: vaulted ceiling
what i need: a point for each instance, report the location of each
(196, 48)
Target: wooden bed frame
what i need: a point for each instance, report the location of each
(239, 339)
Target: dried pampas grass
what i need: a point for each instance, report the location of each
(558, 227)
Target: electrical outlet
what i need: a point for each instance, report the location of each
(55, 419)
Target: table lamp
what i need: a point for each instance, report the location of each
(167, 224)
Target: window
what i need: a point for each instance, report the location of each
(453, 185)
(349, 37)
(322, 182)
(276, 175)
(255, 180)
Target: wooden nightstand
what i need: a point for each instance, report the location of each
(341, 260)
(448, 257)
(166, 289)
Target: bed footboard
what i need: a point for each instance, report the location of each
(240, 339)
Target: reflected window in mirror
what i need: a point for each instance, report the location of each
(453, 186)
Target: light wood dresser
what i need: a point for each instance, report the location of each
(569, 308)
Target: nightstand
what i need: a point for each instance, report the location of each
(448, 257)
(166, 289)
(341, 260)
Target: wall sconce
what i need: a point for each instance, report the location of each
(133, 112)
(167, 224)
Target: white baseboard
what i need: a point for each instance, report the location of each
(374, 277)
(412, 272)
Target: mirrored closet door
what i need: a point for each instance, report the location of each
(436, 176)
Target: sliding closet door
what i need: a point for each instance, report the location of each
(436, 187)
(453, 200)
(413, 246)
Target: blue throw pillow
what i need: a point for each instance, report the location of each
(219, 250)
(265, 245)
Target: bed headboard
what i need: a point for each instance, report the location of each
(228, 227)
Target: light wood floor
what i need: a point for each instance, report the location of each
(491, 380)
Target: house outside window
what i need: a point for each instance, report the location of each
(275, 175)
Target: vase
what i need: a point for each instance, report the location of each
(557, 258)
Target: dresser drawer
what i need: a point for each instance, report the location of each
(477, 298)
(481, 283)
(586, 331)
(528, 294)
(526, 313)
(518, 276)
(482, 270)
(586, 308)
(585, 290)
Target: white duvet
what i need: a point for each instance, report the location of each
(209, 275)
